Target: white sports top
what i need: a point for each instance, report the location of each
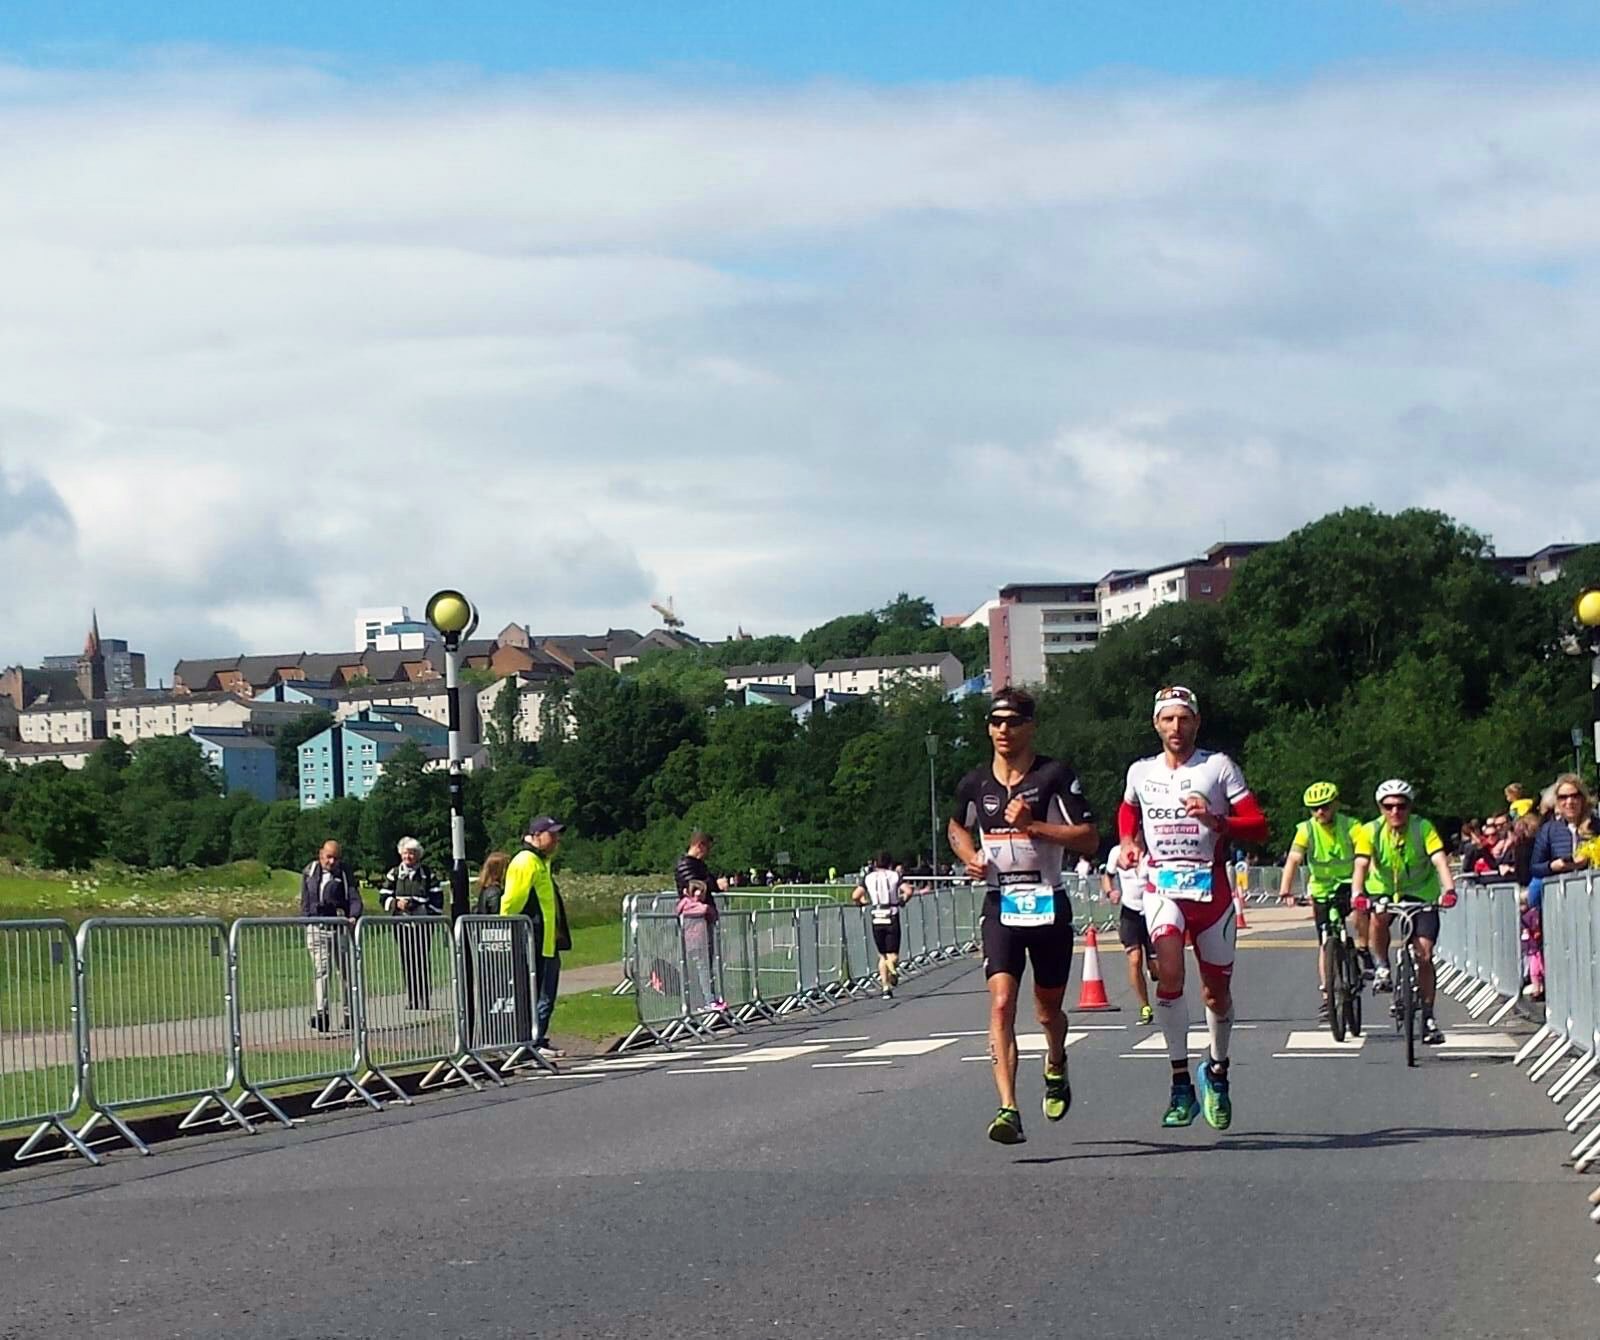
(1171, 837)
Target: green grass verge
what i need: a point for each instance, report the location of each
(596, 1015)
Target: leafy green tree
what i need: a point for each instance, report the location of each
(913, 613)
(849, 635)
(278, 848)
(105, 769)
(500, 729)
(244, 829)
(59, 814)
(286, 747)
(408, 801)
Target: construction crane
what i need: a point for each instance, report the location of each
(669, 616)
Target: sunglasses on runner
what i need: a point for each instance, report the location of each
(997, 720)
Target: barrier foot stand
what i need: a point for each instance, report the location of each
(483, 1067)
(1582, 1162)
(122, 1128)
(448, 1068)
(1558, 1049)
(1485, 998)
(623, 987)
(1450, 979)
(1585, 1065)
(374, 1073)
(1582, 1109)
(326, 1098)
(1585, 1145)
(1504, 1010)
(273, 1110)
(1465, 987)
(30, 1148)
(642, 1035)
(757, 1009)
(230, 1115)
(523, 1058)
(1532, 1044)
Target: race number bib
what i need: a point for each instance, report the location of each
(1186, 883)
(882, 915)
(1027, 905)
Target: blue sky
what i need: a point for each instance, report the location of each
(889, 41)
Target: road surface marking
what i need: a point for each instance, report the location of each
(860, 1039)
(903, 1047)
(845, 1065)
(708, 1070)
(1198, 1038)
(1312, 1056)
(763, 1055)
(1480, 1042)
(1320, 1040)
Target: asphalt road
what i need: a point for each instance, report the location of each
(817, 1193)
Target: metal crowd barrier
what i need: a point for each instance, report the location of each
(39, 998)
(136, 1012)
(769, 962)
(156, 1023)
(294, 988)
(1478, 949)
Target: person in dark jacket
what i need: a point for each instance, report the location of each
(1555, 846)
(411, 890)
(692, 868)
(330, 890)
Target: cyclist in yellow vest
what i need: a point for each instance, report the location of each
(1401, 855)
(1325, 844)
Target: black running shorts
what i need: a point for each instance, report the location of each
(1132, 931)
(887, 936)
(1007, 949)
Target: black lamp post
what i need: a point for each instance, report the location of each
(455, 617)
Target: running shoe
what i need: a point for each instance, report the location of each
(1380, 980)
(1006, 1128)
(1214, 1098)
(1146, 1015)
(1183, 1108)
(1432, 1034)
(1057, 1094)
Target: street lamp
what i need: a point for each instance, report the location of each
(455, 617)
(1587, 611)
(931, 741)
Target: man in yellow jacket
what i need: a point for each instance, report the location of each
(531, 890)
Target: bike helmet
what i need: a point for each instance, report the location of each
(1319, 794)
(1394, 787)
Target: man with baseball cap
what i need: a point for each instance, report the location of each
(531, 889)
(1027, 811)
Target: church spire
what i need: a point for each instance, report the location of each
(91, 644)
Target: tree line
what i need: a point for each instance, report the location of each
(1360, 647)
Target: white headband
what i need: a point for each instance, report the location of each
(1176, 696)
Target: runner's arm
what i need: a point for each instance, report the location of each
(1078, 837)
(859, 895)
(1128, 832)
(1245, 821)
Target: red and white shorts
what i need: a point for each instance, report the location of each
(1209, 927)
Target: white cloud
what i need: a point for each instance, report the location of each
(276, 343)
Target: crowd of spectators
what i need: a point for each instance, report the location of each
(1533, 840)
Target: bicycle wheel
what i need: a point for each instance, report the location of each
(1353, 984)
(1406, 992)
(1333, 977)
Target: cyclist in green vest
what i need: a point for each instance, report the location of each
(1326, 845)
(1401, 855)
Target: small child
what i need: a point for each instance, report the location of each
(697, 914)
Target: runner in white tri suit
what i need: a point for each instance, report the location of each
(1180, 811)
(880, 890)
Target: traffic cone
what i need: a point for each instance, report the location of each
(1092, 996)
(1239, 923)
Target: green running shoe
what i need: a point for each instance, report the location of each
(1183, 1108)
(1147, 1015)
(1057, 1094)
(1214, 1099)
(1006, 1128)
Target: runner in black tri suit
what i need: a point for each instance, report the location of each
(1028, 810)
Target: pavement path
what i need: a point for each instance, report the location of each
(830, 1176)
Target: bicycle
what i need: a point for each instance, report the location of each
(1407, 1002)
(1341, 973)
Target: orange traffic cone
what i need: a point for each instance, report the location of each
(1239, 923)
(1093, 994)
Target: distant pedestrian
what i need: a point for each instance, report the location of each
(697, 914)
(531, 889)
(692, 867)
(410, 889)
(330, 890)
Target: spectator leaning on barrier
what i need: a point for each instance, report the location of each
(492, 883)
(329, 888)
(692, 868)
(411, 890)
(531, 889)
(1555, 848)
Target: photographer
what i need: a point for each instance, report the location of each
(411, 890)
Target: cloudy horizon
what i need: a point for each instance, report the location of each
(281, 341)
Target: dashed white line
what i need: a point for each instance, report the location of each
(845, 1065)
(708, 1070)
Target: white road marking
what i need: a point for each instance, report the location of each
(1198, 1038)
(860, 1039)
(717, 1046)
(969, 1033)
(1319, 1040)
(845, 1065)
(708, 1070)
(1479, 1042)
(1035, 1042)
(1311, 1056)
(763, 1055)
(903, 1047)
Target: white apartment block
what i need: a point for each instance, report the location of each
(143, 718)
(871, 674)
(391, 628)
(70, 756)
(1030, 623)
(791, 676)
(530, 701)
